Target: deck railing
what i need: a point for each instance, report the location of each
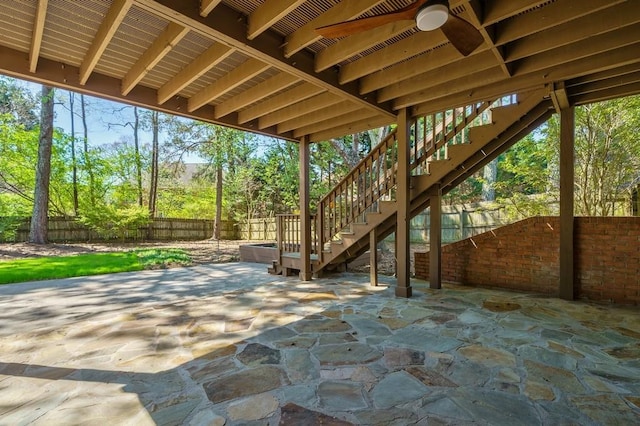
(289, 233)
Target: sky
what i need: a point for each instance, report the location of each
(105, 119)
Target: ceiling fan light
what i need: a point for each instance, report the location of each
(432, 17)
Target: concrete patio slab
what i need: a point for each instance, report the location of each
(231, 345)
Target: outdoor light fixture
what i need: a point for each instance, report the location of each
(432, 16)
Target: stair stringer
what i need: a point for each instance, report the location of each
(506, 121)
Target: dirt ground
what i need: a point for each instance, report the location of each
(204, 251)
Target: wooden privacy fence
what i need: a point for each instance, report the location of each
(257, 229)
(69, 230)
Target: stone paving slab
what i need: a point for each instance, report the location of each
(231, 345)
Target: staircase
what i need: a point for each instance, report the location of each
(446, 148)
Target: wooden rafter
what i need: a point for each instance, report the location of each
(350, 46)
(443, 96)
(351, 128)
(258, 92)
(474, 14)
(223, 26)
(298, 109)
(206, 6)
(243, 73)
(322, 125)
(581, 28)
(552, 15)
(343, 11)
(282, 100)
(319, 115)
(110, 24)
(65, 76)
(267, 14)
(411, 68)
(160, 47)
(203, 63)
(434, 76)
(404, 49)
(38, 31)
(497, 11)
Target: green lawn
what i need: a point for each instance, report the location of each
(45, 268)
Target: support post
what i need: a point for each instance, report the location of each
(435, 238)
(305, 214)
(403, 286)
(567, 131)
(373, 257)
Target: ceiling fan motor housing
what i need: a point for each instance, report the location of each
(432, 16)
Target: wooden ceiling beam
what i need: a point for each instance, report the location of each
(495, 11)
(258, 92)
(282, 100)
(479, 62)
(36, 35)
(581, 49)
(343, 11)
(406, 48)
(579, 29)
(224, 26)
(108, 28)
(349, 129)
(267, 14)
(241, 74)
(298, 109)
(469, 82)
(199, 66)
(343, 120)
(170, 37)
(352, 45)
(57, 74)
(207, 6)
(427, 61)
(445, 97)
(606, 94)
(474, 14)
(319, 115)
(557, 13)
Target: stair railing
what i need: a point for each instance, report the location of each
(374, 177)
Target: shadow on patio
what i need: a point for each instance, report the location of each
(229, 344)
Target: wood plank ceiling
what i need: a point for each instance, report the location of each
(261, 66)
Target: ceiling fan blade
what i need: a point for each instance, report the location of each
(355, 26)
(464, 36)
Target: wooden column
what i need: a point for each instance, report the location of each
(435, 238)
(305, 214)
(567, 130)
(403, 287)
(373, 257)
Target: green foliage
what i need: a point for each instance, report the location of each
(110, 222)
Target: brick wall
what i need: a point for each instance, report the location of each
(524, 256)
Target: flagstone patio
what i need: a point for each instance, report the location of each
(230, 344)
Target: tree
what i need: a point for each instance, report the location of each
(607, 154)
(39, 218)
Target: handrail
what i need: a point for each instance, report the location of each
(375, 175)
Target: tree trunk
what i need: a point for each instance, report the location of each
(74, 161)
(490, 177)
(39, 218)
(153, 189)
(216, 226)
(136, 141)
(87, 159)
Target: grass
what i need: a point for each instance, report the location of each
(45, 268)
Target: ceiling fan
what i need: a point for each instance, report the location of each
(428, 14)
